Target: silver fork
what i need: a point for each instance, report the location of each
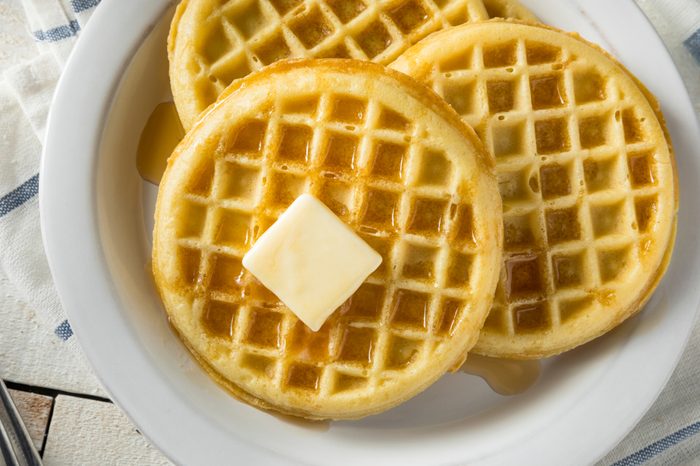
(16, 447)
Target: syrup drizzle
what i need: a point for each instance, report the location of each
(506, 377)
(162, 132)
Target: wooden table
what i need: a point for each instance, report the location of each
(68, 414)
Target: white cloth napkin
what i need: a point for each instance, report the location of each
(668, 434)
(25, 96)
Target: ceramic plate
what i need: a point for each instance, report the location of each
(97, 216)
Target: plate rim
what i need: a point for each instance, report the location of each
(58, 233)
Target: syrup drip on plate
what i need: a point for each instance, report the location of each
(505, 376)
(163, 131)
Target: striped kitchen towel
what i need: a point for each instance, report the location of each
(26, 90)
(668, 434)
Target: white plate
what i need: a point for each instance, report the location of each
(96, 217)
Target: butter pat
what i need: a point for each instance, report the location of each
(311, 260)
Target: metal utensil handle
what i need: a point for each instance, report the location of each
(17, 448)
(7, 454)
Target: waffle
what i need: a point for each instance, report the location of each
(512, 9)
(214, 42)
(393, 161)
(586, 173)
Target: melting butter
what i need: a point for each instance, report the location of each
(505, 376)
(160, 136)
(311, 260)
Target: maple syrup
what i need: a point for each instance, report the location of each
(162, 132)
(506, 377)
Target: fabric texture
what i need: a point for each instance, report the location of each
(668, 434)
(26, 90)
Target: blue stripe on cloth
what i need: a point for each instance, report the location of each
(58, 33)
(692, 43)
(82, 5)
(648, 452)
(19, 195)
(63, 331)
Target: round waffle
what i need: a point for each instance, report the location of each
(586, 173)
(214, 42)
(393, 161)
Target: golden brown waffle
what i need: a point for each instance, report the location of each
(508, 9)
(585, 170)
(214, 42)
(393, 161)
